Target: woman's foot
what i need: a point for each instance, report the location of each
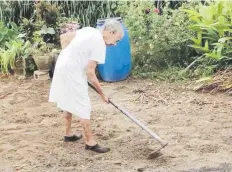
(97, 148)
(72, 138)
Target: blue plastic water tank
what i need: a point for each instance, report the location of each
(117, 65)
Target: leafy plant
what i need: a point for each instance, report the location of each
(87, 12)
(7, 33)
(46, 30)
(158, 41)
(15, 53)
(213, 26)
(13, 11)
(47, 12)
(7, 59)
(47, 33)
(29, 26)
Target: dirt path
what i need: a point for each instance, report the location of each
(198, 128)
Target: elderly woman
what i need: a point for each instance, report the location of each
(75, 65)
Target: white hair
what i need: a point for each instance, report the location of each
(113, 25)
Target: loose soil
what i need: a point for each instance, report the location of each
(198, 128)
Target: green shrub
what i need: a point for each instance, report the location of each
(212, 24)
(158, 41)
(14, 47)
(7, 33)
(13, 11)
(47, 12)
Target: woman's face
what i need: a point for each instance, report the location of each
(111, 38)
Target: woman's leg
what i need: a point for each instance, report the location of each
(68, 122)
(68, 131)
(87, 132)
(90, 142)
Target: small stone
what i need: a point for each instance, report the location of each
(49, 164)
(172, 156)
(105, 138)
(99, 158)
(151, 147)
(140, 169)
(150, 84)
(118, 163)
(88, 159)
(216, 106)
(21, 77)
(100, 118)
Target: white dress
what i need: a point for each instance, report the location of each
(69, 88)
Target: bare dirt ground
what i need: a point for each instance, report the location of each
(198, 128)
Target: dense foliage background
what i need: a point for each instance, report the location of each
(171, 40)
